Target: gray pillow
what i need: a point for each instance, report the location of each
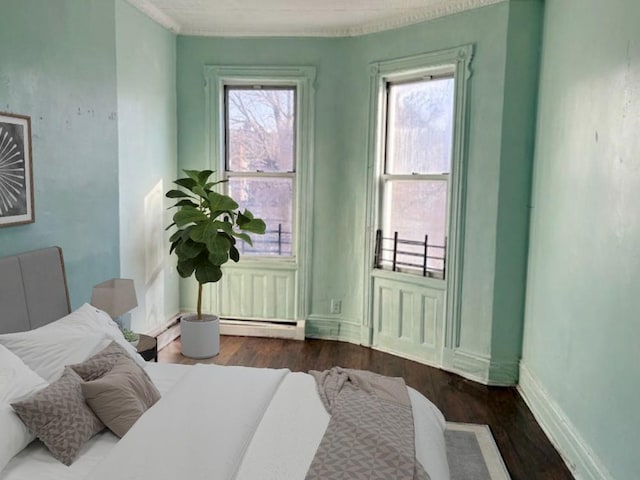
(59, 416)
(100, 363)
(121, 396)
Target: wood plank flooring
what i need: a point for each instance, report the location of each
(525, 449)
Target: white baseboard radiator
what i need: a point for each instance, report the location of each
(263, 328)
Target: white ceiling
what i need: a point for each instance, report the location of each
(323, 18)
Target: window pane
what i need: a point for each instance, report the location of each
(271, 200)
(260, 129)
(420, 127)
(415, 209)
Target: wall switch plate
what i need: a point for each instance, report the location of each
(336, 305)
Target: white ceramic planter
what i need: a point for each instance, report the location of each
(200, 338)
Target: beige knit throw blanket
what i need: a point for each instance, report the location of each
(370, 434)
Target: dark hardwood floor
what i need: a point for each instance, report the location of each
(525, 449)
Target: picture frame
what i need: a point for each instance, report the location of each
(16, 170)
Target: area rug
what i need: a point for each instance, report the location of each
(473, 454)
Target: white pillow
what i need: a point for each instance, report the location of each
(72, 339)
(16, 381)
(48, 355)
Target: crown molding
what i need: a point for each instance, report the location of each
(445, 8)
(157, 15)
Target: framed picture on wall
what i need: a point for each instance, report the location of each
(16, 176)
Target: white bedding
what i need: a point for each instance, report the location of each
(36, 462)
(258, 424)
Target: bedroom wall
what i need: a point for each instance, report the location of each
(502, 103)
(580, 356)
(57, 65)
(322, 53)
(147, 141)
(498, 171)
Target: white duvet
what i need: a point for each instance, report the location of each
(218, 422)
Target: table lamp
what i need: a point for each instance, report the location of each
(115, 297)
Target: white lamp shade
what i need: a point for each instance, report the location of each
(116, 296)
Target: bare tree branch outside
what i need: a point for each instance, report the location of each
(261, 139)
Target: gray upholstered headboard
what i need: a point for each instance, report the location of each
(33, 290)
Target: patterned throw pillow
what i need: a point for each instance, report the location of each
(121, 396)
(59, 416)
(102, 362)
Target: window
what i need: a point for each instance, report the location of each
(260, 160)
(414, 177)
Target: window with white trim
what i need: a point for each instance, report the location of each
(260, 160)
(414, 180)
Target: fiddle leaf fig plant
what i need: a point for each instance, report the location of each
(208, 225)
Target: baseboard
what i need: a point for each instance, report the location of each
(413, 358)
(166, 333)
(575, 452)
(467, 365)
(480, 368)
(252, 328)
(503, 373)
(327, 328)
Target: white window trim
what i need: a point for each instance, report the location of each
(381, 73)
(228, 174)
(303, 79)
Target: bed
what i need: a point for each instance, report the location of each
(214, 422)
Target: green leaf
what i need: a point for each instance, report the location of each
(186, 232)
(242, 219)
(176, 236)
(224, 226)
(218, 246)
(255, 225)
(201, 232)
(189, 215)
(174, 245)
(184, 203)
(234, 254)
(186, 267)
(189, 249)
(201, 192)
(186, 182)
(176, 194)
(203, 176)
(218, 258)
(244, 237)
(219, 202)
(208, 185)
(208, 273)
(192, 174)
(227, 236)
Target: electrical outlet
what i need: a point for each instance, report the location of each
(336, 305)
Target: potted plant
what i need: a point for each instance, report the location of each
(208, 226)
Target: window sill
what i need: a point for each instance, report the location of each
(262, 263)
(411, 278)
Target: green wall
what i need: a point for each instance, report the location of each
(581, 352)
(147, 139)
(326, 55)
(57, 65)
(517, 146)
(98, 80)
(502, 99)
